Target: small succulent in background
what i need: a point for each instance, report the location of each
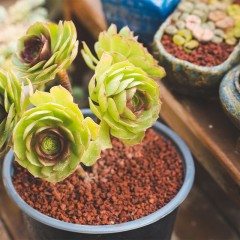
(80, 96)
(15, 20)
(12, 103)
(27, 10)
(194, 22)
(123, 46)
(45, 51)
(125, 99)
(52, 138)
(3, 14)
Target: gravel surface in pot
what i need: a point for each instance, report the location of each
(207, 54)
(127, 183)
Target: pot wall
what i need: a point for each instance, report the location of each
(161, 229)
(229, 93)
(188, 78)
(157, 225)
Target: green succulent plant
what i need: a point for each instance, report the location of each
(125, 99)
(12, 103)
(52, 138)
(46, 50)
(123, 46)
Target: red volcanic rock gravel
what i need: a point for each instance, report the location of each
(207, 54)
(126, 184)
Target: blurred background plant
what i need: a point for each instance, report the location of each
(14, 21)
(17, 15)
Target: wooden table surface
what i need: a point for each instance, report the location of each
(210, 135)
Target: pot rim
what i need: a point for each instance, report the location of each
(188, 164)
(213, 69)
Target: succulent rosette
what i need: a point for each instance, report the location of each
(11, 107)
(125, 99)
(45, 50)
(123, 46)
(52, 138)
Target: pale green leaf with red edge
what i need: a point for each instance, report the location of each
(123, 46)
(60, 49)
(114, 91)
(73, 139)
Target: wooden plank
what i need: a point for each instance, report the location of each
(219, 160)
(3, 232)
(11, 216)
(219, 135)
(86, 11)
(221, 201)
(199, 219)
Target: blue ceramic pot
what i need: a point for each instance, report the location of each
(230, 95)
(188, 78)
(143, 17)
(158, 225)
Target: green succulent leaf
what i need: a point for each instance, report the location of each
(45, 50)
(104, 135)
(12, 105)
(91, 154)
(123, 46)
(127, 102)
(51, 139)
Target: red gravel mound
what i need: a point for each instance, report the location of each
(207, 54)
(126, 184)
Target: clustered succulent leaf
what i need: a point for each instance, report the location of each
(125, 99)
(12, 103)
(45, 50)
(123, 46)
(52, 138)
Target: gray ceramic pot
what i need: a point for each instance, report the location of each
(188, 78)
(157, 225)
(230, 95)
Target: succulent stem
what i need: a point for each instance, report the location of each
(83, 174)
(64, 80)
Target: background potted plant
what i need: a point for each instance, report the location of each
(198, 44)
(53, 139)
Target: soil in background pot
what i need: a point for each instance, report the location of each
(126, 184)
(207, 54)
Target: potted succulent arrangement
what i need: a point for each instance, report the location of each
(198, 44)
(76, 178)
